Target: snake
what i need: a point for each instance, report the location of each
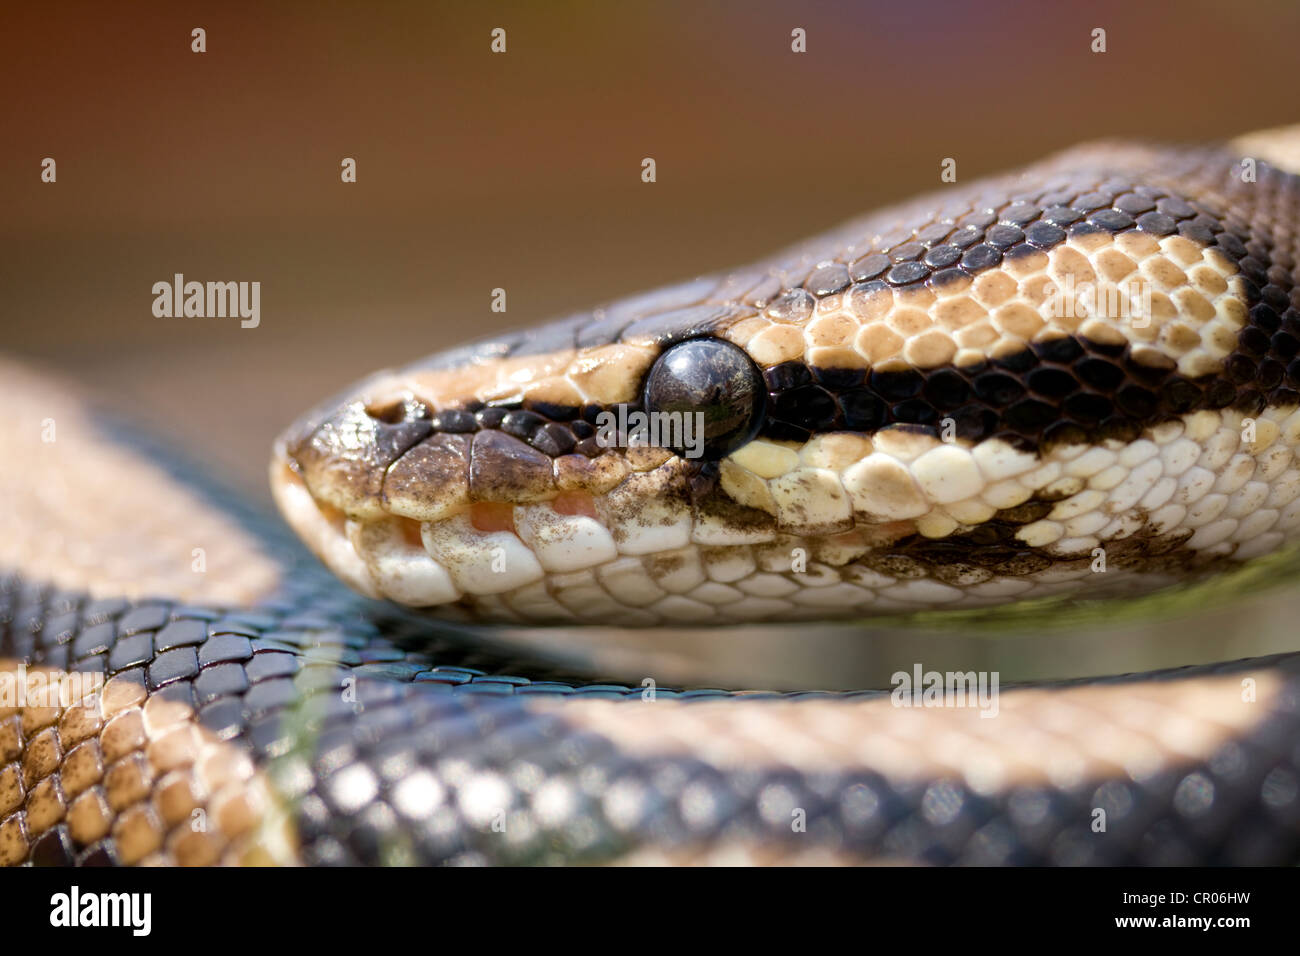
(1072, 385)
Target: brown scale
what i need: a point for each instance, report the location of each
(122, 777)
(358, 457)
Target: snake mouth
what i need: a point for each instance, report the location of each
(399, 504)
(481, 548)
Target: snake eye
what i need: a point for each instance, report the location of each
(716, 380)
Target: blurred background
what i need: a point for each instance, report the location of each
(478, 170)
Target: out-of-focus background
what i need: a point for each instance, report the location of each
(519, 170)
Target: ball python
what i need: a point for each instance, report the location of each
(1078, 382)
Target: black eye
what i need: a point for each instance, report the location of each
(716, 380)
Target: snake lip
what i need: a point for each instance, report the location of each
(321, 529)
(482, 548)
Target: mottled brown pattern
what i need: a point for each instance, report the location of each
(122, 776)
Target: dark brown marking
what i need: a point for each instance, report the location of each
(994, 547)
(344, 459)
(502, 468)
(435, 463)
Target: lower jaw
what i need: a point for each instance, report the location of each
(557, 563)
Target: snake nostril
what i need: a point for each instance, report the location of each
(398, 410)
(389, 412)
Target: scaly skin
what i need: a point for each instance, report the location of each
(992, 393)
(255, 712)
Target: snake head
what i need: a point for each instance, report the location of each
(980, 396)
(496, 468)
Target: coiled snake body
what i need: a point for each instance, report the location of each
(1077, 381)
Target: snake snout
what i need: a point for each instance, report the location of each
(427, 503)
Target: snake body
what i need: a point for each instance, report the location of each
(1077, 380)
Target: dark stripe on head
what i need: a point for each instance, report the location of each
(1068, 390)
